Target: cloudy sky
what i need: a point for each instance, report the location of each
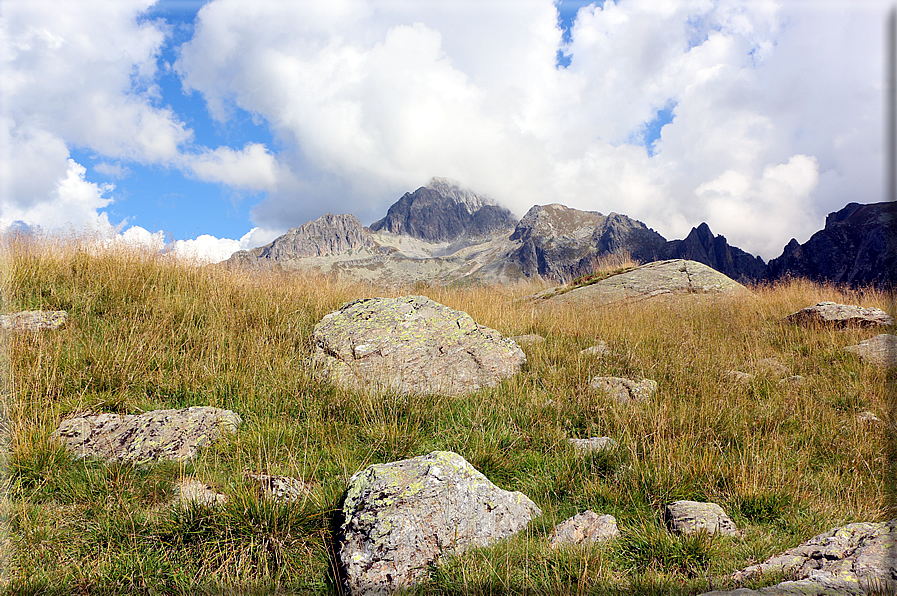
(219, 125)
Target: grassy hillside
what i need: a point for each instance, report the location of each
(145, 332)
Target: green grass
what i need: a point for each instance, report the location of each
(145, 332)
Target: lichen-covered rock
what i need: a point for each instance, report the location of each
(593, 444)
(625, 390)
(191, 491)
(690, 517)
(411, 345)
(160, 434)
(585, 528)
(33, 320)
(880, 350)
(832, 314)
(283, 489)
(846, 560)
(402, 516)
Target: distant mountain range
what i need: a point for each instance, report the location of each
(443, 233)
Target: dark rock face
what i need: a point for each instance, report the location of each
(442, 211)
(329, 234)
(700, 245)
(858, 246)
(559, 242)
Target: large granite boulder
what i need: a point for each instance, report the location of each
(33, 320)
(661, 278)
(690, 517)
(880, 350)
(159, 434)
(832, 314)
(411, 345)
(851, 559)
(402, 516)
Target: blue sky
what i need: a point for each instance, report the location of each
(221, 126)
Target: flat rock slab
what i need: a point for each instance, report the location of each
(691, 517)
(832, 314)
(160, 434)
(624, 390)
(673, 277)
(33, 320)
(402, 516)
(845, 560)
(411, 345)
(880, 350)
(282, 489)
(592, 445)
(585, 528)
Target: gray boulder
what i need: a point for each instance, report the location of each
(411, 345)
(402, 516)
(851, 559)
(624, 390)
(33, 320)
(880, 350)
(160, 434)
(598, 349)
(593, 444)
(529, 339)
(832, 314)
(585, 528)
(690, 517)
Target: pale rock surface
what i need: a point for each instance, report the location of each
(868, 416)
(842, 561)
(598, 349)
(624, 390)
(191, 491)
(771, 366)
(411, 345)
(278, 488)
(159, 434)
(529, 339)
(33, 320)
(402, 516)
(792, 381)
(593, 444)
(690, 517)
(585, 528)
(880, 350)
(832, 314)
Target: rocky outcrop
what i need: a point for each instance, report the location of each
(402, 516)
(328, 235)
(585, 528)
(559, 243)
(880, 350)
(700, 245)
(691, 517)
(443, 211)
(159, 434)
(411, 345)
(649, 281)
(33, 320)
(832, 314)
(858, 246)
(853, 559)
(624, 390)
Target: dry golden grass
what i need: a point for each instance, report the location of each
(146, 332)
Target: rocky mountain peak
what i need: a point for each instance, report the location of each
(452, 189)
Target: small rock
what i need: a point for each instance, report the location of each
(160, 434)
(33, 320)
(771, 366)
(586, 528)
(402, 516)
(793, 380)
(411, 345)
(190, 490)
(832, 314)
(868, 416)
(278, 488)
(596, 350)
(625, 390)
(594, 444)
(741, 377)
(880, 350)
(690, 517)
(528, 340)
